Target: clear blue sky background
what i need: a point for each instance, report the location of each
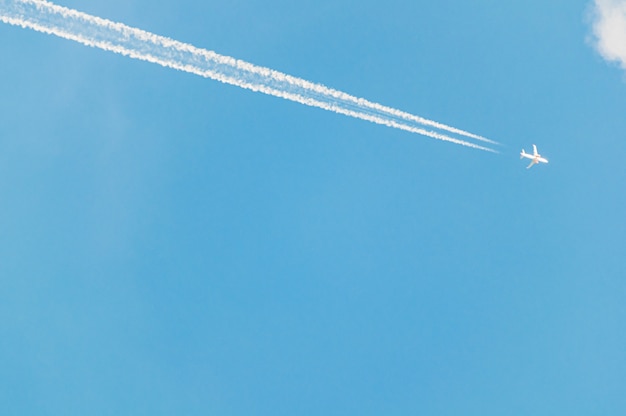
(173, 245)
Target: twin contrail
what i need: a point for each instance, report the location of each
(47, 17)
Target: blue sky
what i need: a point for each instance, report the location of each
(173, 245)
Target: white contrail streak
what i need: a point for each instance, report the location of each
(49, 18)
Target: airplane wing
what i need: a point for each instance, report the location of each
(535, 150)
(531, 164)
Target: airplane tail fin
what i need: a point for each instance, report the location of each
(521, 155)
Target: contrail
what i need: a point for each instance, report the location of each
(46, 17)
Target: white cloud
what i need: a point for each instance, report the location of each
(609, 30)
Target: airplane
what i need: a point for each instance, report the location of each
(536, 157)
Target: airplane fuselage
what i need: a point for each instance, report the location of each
(536, 159)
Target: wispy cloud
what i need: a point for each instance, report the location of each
(609, 30)
(46, 17)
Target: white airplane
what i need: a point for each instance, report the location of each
(536, 157)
